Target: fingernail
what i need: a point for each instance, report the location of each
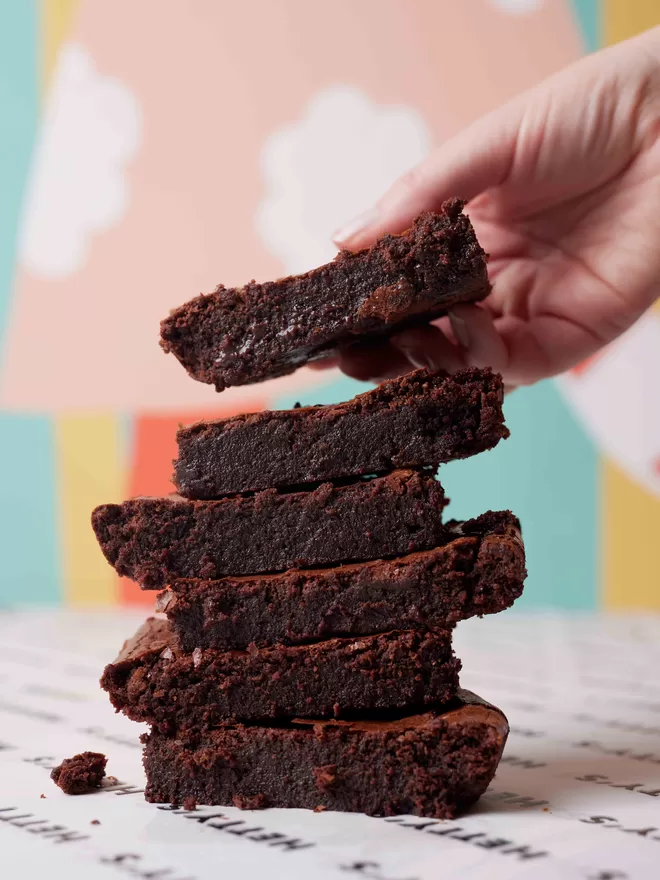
(460, 330)
(408, 344)
(355, 227)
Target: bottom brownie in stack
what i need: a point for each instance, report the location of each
(432, 764)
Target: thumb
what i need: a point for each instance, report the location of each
(477, 159)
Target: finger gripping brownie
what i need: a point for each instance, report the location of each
(157, 540)
(153, 680)
(433, 764)
(481, 570)
(417, 420)
(241, 335)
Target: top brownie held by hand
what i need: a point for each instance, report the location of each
(237, 336)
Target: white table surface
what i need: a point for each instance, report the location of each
(576, 796)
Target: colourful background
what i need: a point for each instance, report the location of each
(197, 141)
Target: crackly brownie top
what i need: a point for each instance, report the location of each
(417, 386)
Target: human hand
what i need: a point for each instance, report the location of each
(563, 189)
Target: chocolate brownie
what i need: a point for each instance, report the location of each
(156, 540)
(81, 774)
(418, 420)
(480, 571)
(433, 764)
(152, 680)
(242, 335)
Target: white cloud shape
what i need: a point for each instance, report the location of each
(334, 162)
(91, 129)
(616, 398)
(517, 7)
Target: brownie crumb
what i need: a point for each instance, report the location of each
(190, 804)
(43, 796)
(245, 802)
(319, 808)
(95, 822)
(80, 774)
(325, 776)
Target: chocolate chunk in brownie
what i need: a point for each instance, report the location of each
(418, 420)
(242, 335)
(433, 764)
(81, 774)
(480, 571)
(152, 680)
(156, 540)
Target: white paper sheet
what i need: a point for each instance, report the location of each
(576, 796)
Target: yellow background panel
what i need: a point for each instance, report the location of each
(56, 18)
(625, 18)
(630, 515)
(90, 472)
(631, 543)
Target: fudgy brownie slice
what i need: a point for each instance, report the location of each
(241, 335)
(421, 419)
(480, 571)
(157, 540)
(152, 680)
(434, 764)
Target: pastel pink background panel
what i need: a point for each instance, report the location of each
(220, 102)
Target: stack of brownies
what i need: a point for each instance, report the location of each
(312, 586)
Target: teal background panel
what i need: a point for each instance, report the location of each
(588, 14)
(336, 391)
(30, 571)
(28, 534)
(546, 472)
(19, 107)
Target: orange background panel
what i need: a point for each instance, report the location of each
(154, 449)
